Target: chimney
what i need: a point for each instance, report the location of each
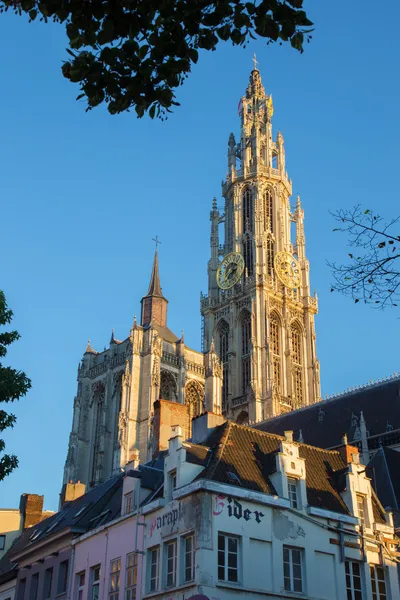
(71, 491)
(134, 461)
(204, 424)
(31, 509)
(167, 414)
(288, 435)
(350, 454)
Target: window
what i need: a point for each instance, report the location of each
(297, 369)
(48, 580)
(360, 509)
(115, 577)
(353, 580)
(128, 502)
(2, 542)
(246, 349)
(62, 577)
(97, 463)
(228, 558)
(94, 582)
(154, 560)
(170, 557)
(223, 333)
(248, 254)
(33, 592)
(80, 585)
(194, 399)
(270, 256)
(378, 582)
(275, 350)
(292, 569)
(21, 589)
(131, 576)
(268, 222)
(171, 484)
(188, 558)
(292, 492)
(247, 211)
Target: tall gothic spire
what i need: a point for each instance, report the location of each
(154, 305)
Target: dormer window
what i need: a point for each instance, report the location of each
(128, 503)
(361, 509)
(292, 492)
(171, 484)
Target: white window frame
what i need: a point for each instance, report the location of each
(375, 580)
(80, 587)
(170, 562)
(289, 578)
(349, 573)
(293, 495)
(95, 583)
(225, 552)
(115, 578)
(185, 554)
(131, 572)
(361, 514)
(128, 503)
(155, 551)
(171, 484)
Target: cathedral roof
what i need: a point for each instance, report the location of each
(324, 423)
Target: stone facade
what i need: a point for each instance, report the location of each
(263, 328)
(117, 388)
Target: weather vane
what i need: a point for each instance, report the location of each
(157, 241)
(255, 61)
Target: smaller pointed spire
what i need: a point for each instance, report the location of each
(212, 347)
(183, 337)
(112, 340)
(301, 439)
(89, 349)
(298, 203)
(155, 285)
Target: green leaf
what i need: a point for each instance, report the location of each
(152, 111)
(142, 51)
(33, 14)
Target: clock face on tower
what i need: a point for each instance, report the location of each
(230, 270)
(287, 269)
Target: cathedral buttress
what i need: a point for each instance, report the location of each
(259, 309)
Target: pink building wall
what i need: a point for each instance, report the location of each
(111, 541)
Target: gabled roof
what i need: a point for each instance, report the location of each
(98, 506)
(323, 424)
(245, 457)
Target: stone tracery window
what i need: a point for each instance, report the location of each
(194, 399)
(168, 389)
(246, 350)
(270, 256)
(275, 351)
(247, 210)
(297, 365)
(97, 460)
(223, 345)
(268, 214)
(248, 254)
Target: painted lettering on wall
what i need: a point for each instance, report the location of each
(235, 509)
(170, 518)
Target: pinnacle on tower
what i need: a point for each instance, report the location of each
(154, 305)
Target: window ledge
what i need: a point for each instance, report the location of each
(165, 590)
(242, 589)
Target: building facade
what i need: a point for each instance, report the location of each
(117, 388)
(259, 356)
(259, 308)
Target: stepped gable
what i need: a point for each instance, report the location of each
(324, 423)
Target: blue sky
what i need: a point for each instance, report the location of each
(83, 194)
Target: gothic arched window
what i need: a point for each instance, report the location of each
(223, 346)
(194, 399)
(246, 349)
(247, 210)
(248, 254)
(275, 351)
(98, 395)
(270, 256)
(168, 389)
(243, 418)
(268, 214)
(297, 365)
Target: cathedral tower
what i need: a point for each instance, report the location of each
(259, 311)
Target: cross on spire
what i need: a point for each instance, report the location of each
(255, 61)
(157, 241)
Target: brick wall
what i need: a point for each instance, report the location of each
(167, 414)
(31, 508)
